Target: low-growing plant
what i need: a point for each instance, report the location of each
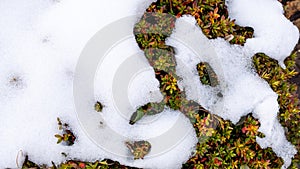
(279, 80)
(67, 136)
(104, 164)
(228, 145)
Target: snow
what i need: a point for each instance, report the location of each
(40, 44)
(282, 35)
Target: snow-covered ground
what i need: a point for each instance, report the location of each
(40, 44)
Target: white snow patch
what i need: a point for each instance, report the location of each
(274, 34)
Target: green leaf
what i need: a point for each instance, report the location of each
(136, 116)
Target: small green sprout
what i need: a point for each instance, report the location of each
(67, 135)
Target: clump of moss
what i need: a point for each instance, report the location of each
(279, 80)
